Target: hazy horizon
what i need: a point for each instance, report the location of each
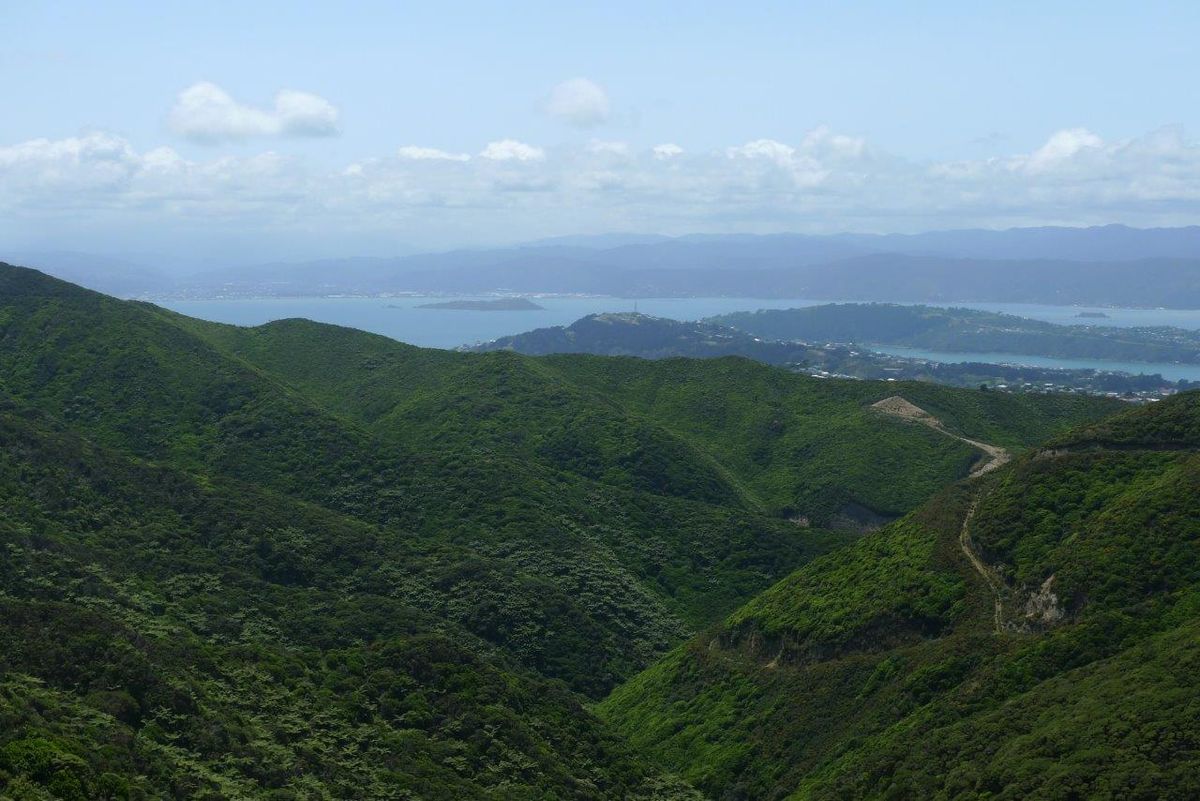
(183, 264)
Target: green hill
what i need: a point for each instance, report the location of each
(847, 340)
(1061, 663)
(165, 636)
(627, 561)
(301, 561)
(965, 330)
(749, 435)
(633, 334)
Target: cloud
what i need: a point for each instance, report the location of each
(603, 148)
(305, 114)
(818, 181)
(1060, 148)
(97, 147)
(416, 153)
(95, 162)
(204, 112)
(579, 102)
(102, 171)
(767, 149)
(800, 165)
(512, 150)
(818, 146)
(823, 142)
(666, 151)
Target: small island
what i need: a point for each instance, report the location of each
(498, 304)
(1093, 315)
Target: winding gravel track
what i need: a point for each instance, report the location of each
(899, 407)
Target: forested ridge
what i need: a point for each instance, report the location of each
(893, 669)
(300, 561)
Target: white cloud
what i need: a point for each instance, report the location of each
(92, 162)
(102, 171)
(819, 181)
(819, 145)
(205, 112)
(579, 102)
(512, 150)
(77, 150)
(305, 114)
(163, 159)
(666, 151)
(416, 153)
(829, 144)
(1059, 148)
(803, 168)
(601, 147)
(767, 149)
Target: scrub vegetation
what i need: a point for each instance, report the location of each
(304, 562)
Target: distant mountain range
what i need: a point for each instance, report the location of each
(1106, 265)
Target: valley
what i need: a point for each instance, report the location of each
(299, 560)
(988, 609)
(617, 401)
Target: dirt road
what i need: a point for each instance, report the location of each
(899, 407)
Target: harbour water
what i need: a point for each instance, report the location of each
(402, 319)
(1168, 370)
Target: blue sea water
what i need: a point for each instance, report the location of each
(1168, 370)
(401, 319)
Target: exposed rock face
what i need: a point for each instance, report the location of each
(1042, 608)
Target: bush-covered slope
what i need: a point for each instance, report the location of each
(435, 401)
(299, 560)
(169, 637)
(543, 559)
(813, 447)
(725, 430)
(895, 668)
(210, 583)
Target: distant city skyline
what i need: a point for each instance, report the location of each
(282, 131)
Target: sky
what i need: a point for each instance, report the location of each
(241, 132)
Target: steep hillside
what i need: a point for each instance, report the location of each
(1029, 634)
(815, 448)
(165, 636)
(298, 561)
(630, 559)
(749, 434)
